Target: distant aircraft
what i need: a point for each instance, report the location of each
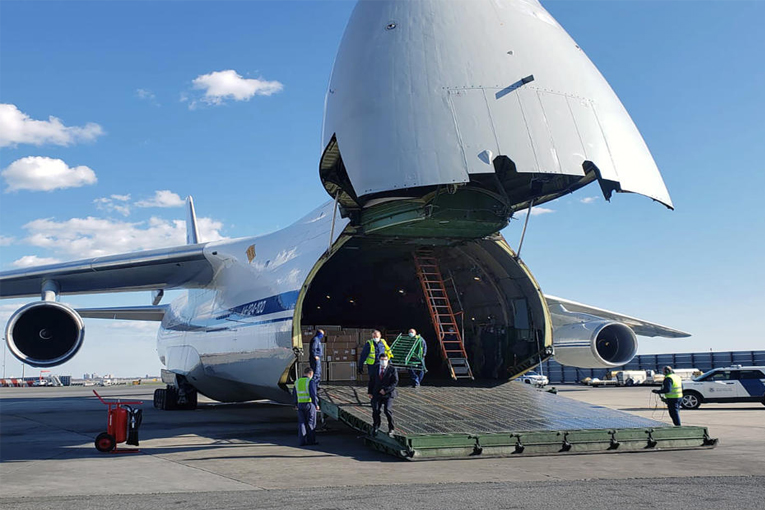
(442, 121)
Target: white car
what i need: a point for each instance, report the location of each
(730, 384)
(534, 379)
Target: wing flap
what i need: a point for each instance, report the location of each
(168, 268)
(639, 326)
(127, 313)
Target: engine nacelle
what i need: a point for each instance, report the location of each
(594, 344)
(45, 333)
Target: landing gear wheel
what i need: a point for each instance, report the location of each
(105, 442)
(160, 396)
(191, 400)
(691, 401)
(165, 398)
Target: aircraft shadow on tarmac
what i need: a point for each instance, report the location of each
(663, 407)
(65, 427)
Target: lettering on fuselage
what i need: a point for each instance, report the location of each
(273, 304)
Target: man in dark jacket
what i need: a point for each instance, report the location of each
(382, 390)
(316, 355)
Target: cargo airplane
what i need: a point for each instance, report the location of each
(442, 121)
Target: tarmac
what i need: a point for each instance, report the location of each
(245, 455)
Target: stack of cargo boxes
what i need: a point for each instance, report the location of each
(342, 347)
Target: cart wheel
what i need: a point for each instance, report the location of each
(105, 442)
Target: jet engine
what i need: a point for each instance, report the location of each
(594, 344)
(45, 333)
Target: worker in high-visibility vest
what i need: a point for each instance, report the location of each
(672, 391)
(370, 354)
(420, 351)
(306, 404)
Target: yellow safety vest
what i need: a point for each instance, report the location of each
(676, 390)
(371, 356)
(301, 388)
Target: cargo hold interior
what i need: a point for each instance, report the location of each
(373, 283)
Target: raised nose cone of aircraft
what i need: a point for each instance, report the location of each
(490, 101)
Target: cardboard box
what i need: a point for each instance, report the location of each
(342, 371)
(302, 364)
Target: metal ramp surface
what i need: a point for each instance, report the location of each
(501, 420)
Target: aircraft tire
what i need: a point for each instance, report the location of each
(192, 400)
(171, 398)
(159, 398)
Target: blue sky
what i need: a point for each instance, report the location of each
(124, 78)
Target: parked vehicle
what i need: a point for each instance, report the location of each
(534, 379)
(636, 377)
(726, 385)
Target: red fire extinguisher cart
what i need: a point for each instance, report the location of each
(116, 426)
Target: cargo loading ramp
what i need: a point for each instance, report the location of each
(501, 420)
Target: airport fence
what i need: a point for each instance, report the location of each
(704, 361)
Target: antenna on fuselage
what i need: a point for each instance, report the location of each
(192, 232)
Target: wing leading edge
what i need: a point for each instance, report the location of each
(168, 268)
(639, 326)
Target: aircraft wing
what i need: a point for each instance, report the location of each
(639, 326)
(167, 268)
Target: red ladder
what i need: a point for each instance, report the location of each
(441, 313)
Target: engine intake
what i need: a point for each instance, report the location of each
(594, 344)
(45, 333)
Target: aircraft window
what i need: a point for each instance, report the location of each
(751, 374)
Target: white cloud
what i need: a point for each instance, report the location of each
(229, 84)
(6, 241)
(536, 211)
(588, 200)
(147, 95)
(162, 198)
(36, 173)
(33, 260)
(114, 203)
(78, 238)
(17, 127)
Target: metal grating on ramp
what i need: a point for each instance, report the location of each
(454, 421)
